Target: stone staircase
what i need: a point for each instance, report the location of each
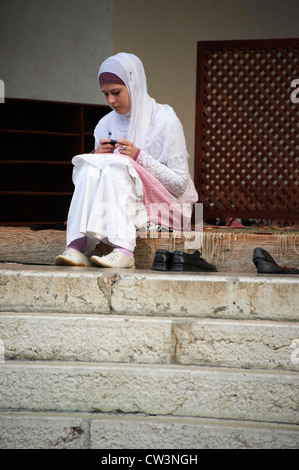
(146, 360)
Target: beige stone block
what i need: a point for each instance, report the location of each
(157, 390)
(54, 289)
(132, 432)
(101, 338)
(247, 344)
(43, 431)
(207, 295)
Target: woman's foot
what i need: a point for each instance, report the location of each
(72, 257)
(115, 259)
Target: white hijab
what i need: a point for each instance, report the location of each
(137, 122)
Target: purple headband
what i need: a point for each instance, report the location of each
(106, 78)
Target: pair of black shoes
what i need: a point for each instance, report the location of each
(179, 261)
(265, 264)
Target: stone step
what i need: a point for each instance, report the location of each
(153, 340)
(25, 430)
(91, 290)
(168, 390)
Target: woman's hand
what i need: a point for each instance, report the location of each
(126, 148)
(104, 147)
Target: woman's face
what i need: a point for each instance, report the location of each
(117, 97)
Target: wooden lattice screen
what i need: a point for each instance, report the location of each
(246, 143)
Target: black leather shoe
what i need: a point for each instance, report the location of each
(162, 260)
(186, 262)
(265, 264)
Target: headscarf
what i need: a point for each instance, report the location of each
(106, 78)
(130, 70)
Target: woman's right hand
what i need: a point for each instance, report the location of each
(104, 147)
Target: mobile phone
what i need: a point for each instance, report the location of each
(112, 142)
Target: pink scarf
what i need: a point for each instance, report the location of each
(173, 212)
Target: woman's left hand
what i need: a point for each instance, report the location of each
(126, 148)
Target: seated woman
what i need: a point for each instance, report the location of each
(137, 174)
